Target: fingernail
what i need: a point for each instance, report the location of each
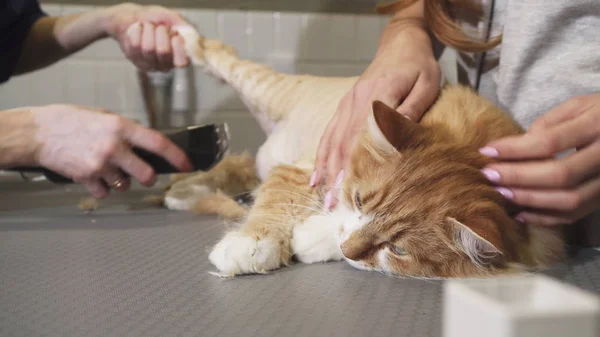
(339, 178)
(328, 200)
(489, 151)
(313, 179)
(491, 175)
(520, 219)
(508, 194)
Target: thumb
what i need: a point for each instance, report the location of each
(419, 99)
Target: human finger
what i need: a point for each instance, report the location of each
(325, 144)
(555, 200)
(420, 97)
(340, 141)
(331, 196)
(114, 178)
(134, 166)
(134, 36)
(180, 58)
(132, 46)
(569, 135)
(148, 46)
(153, 141)
(164, 52)
(566, 172)
(545, 219)
(567, 110)
(96, 188)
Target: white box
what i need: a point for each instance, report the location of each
(521, 306)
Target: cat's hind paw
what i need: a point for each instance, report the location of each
(238, 254)
(184, 197)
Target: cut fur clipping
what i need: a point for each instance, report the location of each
(89, 204)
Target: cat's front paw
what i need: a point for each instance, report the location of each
(238, 254)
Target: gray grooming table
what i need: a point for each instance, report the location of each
(133, 271)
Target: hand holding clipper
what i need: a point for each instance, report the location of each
(102, 150)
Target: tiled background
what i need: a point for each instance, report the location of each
(314, 43)
(313, 6)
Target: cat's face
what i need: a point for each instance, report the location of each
(415, 205)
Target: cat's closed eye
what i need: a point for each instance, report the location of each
(398, 250)
(357, 201)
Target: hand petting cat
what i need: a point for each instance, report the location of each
(556, 190)
(404, 74)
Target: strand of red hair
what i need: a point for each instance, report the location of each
(440, 22)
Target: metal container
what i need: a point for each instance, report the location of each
(157, 95)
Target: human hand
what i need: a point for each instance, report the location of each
(93, 147)
(145, 35)
(555, 191)
(404, 75)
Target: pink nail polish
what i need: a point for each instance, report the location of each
(339, 179)
(491, 175)
(313, 179)
(508, 194)
(520, 219)
(489, 152)
(328, 200)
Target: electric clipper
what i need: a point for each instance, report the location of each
(205, 146)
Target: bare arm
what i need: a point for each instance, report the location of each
(17, 132)
(150, 46)
(412, 16)
(54, 38)
(409, 19)
(404, 74)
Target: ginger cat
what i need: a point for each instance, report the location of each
(413, 203)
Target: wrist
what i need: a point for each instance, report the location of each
(405, 41)
(18, 144)
(77, 31)
(402, 32)
(106, 16)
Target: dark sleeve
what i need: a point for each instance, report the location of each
(16, 19)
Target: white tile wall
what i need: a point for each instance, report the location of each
(320, 44)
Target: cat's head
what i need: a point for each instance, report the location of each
(416, 204)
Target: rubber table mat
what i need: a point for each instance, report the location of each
(127, 270)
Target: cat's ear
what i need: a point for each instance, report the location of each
(479, 239)
(392, 131)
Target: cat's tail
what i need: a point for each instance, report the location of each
(261, 88)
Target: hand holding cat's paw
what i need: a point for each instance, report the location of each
(558, 190)
(239, 254)
(146, 36)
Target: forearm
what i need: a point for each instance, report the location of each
(17, 144)
(54, 38)
(411, 20)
